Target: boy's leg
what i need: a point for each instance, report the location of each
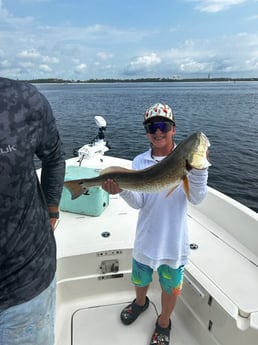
(141, 278)
(171, 281)
(168, 303)
(141, 293)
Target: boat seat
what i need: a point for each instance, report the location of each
(225, 268)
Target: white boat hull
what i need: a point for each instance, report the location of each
(219, 302)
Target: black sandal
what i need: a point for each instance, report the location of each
(130, 313)
(161, 336)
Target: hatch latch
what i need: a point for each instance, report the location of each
(109, 266)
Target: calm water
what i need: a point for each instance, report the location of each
(226, 112)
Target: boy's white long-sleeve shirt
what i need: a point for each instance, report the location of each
(162, 229)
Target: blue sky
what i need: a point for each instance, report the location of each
(84, 39)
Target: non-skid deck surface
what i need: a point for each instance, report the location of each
(102, 325)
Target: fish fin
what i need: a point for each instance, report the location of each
(74, 188)
(206, 163)
(186, 186)
(115, 169)
(171, 191)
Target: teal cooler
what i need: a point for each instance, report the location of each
(91, 204)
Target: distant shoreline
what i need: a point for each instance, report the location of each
(138, 80)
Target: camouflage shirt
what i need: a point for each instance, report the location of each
(27, 244)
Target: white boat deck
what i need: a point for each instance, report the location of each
(110, 330)
(220, 289)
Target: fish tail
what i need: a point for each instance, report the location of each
(74, 188)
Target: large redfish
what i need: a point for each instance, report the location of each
(165, 175)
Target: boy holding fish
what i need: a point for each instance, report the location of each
(161, 241)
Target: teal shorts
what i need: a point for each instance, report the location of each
(171, 280)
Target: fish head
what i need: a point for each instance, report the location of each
(198, 152)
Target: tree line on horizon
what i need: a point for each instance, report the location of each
(115, 80)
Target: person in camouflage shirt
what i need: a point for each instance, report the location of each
(28, 212)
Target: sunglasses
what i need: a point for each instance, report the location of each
(164, 127)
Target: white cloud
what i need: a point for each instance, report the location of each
(3, 12)
(5, 63)
(102, 51)
(146, 60)
(29, 57)
(191, 48)
(216, 5)
(49, 59)
(252, 18)
(222, 56)
(76, 61)
(194, 67)
(81, 67)
(29, 54)
(95, 28)
(45, 68)
(8, 19)
(104, 56)
(142, 65)
(26, 64)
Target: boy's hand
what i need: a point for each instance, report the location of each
(111, 187)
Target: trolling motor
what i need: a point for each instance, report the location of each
(98, 145)
(102, 124)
